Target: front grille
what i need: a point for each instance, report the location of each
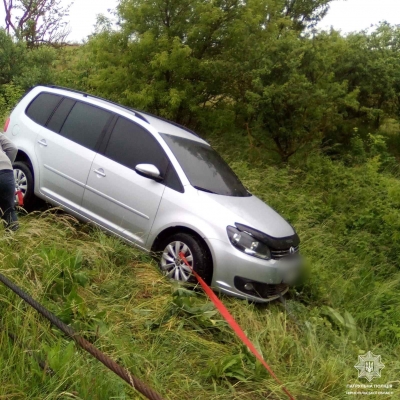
(278, 254)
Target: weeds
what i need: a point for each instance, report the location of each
(174, 339)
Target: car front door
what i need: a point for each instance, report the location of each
(116, 196)
(66, 148)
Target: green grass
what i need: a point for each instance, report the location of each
(172, 338)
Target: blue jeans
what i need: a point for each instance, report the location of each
(7, 199)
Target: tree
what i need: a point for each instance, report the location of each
(305, 13)
(12, 57)
(37, 21)
(282, 87)
(368, 62)
(167, 57)
(184, 58)
(21, 69)
(294, 100)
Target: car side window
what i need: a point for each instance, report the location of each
(58, 118)
(42, 107)
(172, 179)
(85, 124)
(130, 145)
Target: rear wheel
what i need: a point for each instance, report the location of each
(195, 253)
(24, 183)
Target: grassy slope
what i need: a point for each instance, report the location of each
(349, 223)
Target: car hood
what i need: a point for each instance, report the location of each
(250, 211)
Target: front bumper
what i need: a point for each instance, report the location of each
(238, 274)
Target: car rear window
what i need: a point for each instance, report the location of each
(58, 118)
(85, 124)
(42, 107)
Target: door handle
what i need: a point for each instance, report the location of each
(100, 172)
(43, 142)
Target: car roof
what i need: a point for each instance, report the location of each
(160, 124)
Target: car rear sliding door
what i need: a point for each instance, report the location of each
(66, 148)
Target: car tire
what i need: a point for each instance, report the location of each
(195, 252)
(24, 182)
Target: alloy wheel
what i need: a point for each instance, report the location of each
(21, 181)
(171, 263)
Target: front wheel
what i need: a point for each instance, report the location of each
(195, 253)
(24, 183)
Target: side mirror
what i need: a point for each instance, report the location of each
(149, 171)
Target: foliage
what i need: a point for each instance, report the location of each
(20, 69)
(38, 68)
(257, 69)
(294, 98)
(11, 58)
(185, 60)
(9, 96)
(368, 63)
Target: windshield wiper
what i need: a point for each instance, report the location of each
(204, 189)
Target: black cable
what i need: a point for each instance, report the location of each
(107, 361)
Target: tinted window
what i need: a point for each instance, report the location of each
(42, 107)
(205, 168)
(85, 124)
(130, 145)
(172, 179)
(59, 116)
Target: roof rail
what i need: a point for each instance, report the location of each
(137, 113)
(170, 122)
(84, 94)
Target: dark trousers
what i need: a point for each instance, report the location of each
(7, 198)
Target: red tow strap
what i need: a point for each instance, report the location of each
(234, 325)
(20, 197)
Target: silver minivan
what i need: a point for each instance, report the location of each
(154, 184)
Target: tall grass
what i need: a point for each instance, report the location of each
(173, 338)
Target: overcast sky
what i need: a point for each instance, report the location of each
(346, 15)
(356, 15)
(83, 16)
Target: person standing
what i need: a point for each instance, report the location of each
(8, 152)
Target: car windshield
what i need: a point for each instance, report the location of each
(205, 168)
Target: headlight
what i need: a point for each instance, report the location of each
(248, 244)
